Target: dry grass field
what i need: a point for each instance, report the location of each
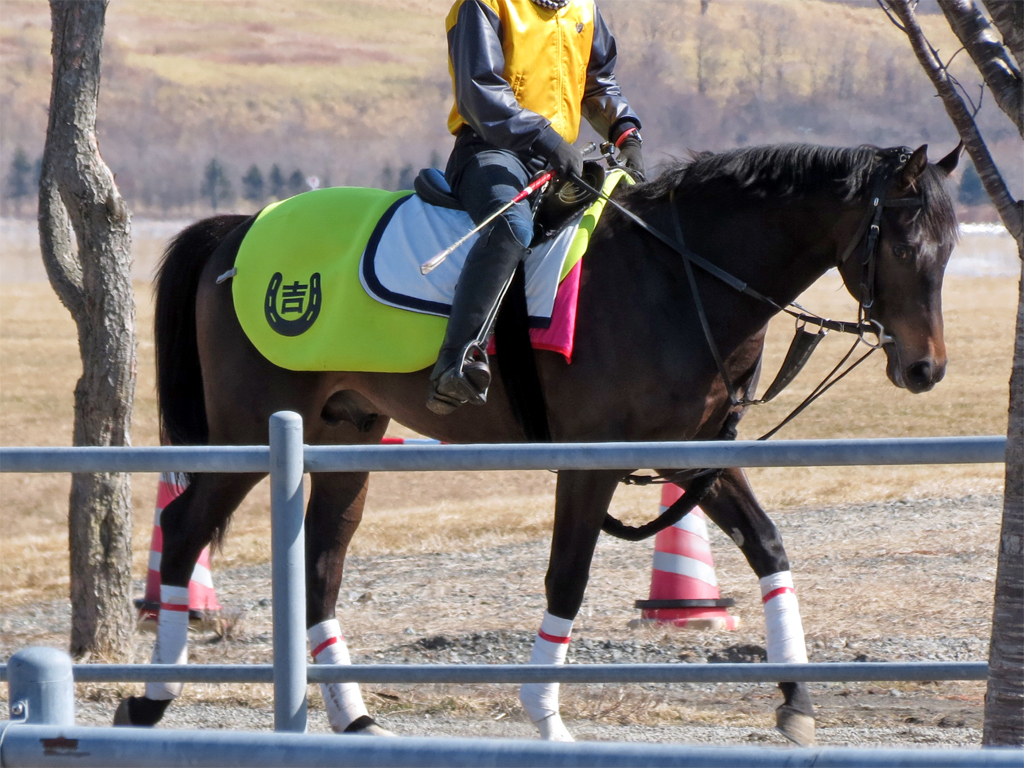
(436, 513)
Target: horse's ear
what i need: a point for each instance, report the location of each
(915, 166)
(948, 163)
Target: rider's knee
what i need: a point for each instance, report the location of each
(518, 224)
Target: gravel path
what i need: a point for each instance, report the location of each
(915, 583)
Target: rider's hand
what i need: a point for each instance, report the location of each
(631, 157)
(566, 160)
(625, 135)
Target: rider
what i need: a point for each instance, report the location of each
(523, 72)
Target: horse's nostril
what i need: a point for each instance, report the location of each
(920, 374)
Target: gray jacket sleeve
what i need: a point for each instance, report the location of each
(484, 98)
(603, 103)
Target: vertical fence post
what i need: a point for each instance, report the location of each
(289, 571)
(41, 687)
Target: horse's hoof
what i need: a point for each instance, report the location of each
(121, 716)
(139, 711)
(367, 726)
(795, 726)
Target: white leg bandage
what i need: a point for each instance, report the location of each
(344, 702)
(540, 700)
(782, 619)
(171, 639)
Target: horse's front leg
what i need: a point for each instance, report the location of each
(581, 501)
(734, 508)
(335, 510)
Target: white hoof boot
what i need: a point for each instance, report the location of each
(553, 729)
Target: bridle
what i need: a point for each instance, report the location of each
(868, 232)
(700, 482)
(870, 229)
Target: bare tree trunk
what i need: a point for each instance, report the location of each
(1004, 700)
(85, 234)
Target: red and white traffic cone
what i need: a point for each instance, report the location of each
(202, 598)
(684, 590)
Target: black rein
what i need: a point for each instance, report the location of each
(700, 482)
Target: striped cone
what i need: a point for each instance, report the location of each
(202, 599)
(684, 590)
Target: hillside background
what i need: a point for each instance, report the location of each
(356, 92)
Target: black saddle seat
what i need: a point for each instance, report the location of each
(433, 187)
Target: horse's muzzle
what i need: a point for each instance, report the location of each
(919, 376)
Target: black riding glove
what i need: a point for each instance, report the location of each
(566, 160)
(630, 156)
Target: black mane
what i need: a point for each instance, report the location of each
(798, 170)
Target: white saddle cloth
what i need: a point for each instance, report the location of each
(411, 232)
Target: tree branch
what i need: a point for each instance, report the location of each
(1010, 211)
(1008, 16)
(984, 47)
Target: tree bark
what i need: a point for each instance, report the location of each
(85, 236)
(988, 54)
(1008, 16)
(1004, 700)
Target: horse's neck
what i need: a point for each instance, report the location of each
(795, 245)
(779, 249)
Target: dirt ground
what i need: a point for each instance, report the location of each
(895, 581)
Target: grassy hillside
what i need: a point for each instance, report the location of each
(342, 89)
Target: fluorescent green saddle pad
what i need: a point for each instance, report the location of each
(298, 296)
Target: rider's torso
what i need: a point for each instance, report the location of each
(546, 57)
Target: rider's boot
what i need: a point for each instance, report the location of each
(460, 377)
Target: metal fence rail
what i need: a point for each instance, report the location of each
(45, 742)
(22, 746)
(428, 458)
(850, 672)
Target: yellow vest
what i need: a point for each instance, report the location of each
(546, 57)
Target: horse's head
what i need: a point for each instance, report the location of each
(898, 279)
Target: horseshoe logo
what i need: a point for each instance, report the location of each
(296, 298)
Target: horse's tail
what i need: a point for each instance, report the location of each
(179, 378)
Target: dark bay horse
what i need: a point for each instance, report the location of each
(775, 217)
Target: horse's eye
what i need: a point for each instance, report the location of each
(902, 252)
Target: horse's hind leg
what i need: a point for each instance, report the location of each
(733, 507)
(335, 509)
(189, 523)
(581, 502)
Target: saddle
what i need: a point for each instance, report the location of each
(558, 204)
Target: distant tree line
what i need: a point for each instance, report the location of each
(22, 180)
(216, 187)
